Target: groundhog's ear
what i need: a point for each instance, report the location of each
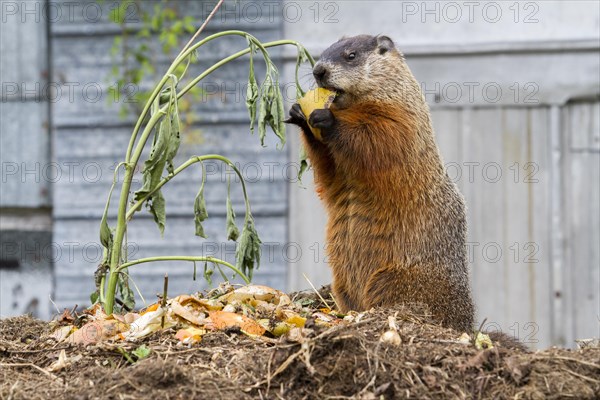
(384, 44)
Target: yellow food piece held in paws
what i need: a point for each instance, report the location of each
(314, 100)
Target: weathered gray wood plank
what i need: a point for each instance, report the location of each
(24, 134)
(517, 241)
(584, 223)
(483, 146)
(540, 272)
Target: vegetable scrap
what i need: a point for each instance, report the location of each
(319, 98)
(254, 310)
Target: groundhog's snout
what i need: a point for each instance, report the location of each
(320, 73)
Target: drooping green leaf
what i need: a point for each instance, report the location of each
(302, 57)
(155, 164)
(127, 295)
(106, 236)
(232, 230)
(271, 110)
(252, 89)
(303, 159)
(174, 139)
(278, 113)
(156, 206)
(200, 212)
(94, 297)
(264, 109)
(248, 251)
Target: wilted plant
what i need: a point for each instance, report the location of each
(159, 119)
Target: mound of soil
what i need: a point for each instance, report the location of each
(346, 361)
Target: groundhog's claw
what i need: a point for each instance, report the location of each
(321, 118)
(296, 116)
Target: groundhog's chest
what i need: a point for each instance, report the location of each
(362, 232)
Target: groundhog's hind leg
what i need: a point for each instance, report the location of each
(450, 305)
(342, 297)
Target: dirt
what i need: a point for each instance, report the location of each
(347, 361)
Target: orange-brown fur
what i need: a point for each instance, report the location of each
(396, 229)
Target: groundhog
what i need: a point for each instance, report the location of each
(396, 228)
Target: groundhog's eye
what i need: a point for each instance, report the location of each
(351, 56)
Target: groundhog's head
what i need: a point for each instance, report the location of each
(362, 68)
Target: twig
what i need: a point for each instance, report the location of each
(125, 354)
(316, 291)
(12, 390)
(37, 351)
(581, 376)
(212, 13)
(163, 302)
(49, 374)
(337, 328)
(596, 366)
(335, 302)
(285, 364)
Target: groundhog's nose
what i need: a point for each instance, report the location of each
(319, 72)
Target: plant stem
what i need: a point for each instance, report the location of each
(137, 205)
(164, 80)
(232, 57)
(121, 227)
(184, 258)
(163, 302)
(132, 156)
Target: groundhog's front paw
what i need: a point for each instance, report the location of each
(296, 116)
(321, 118)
